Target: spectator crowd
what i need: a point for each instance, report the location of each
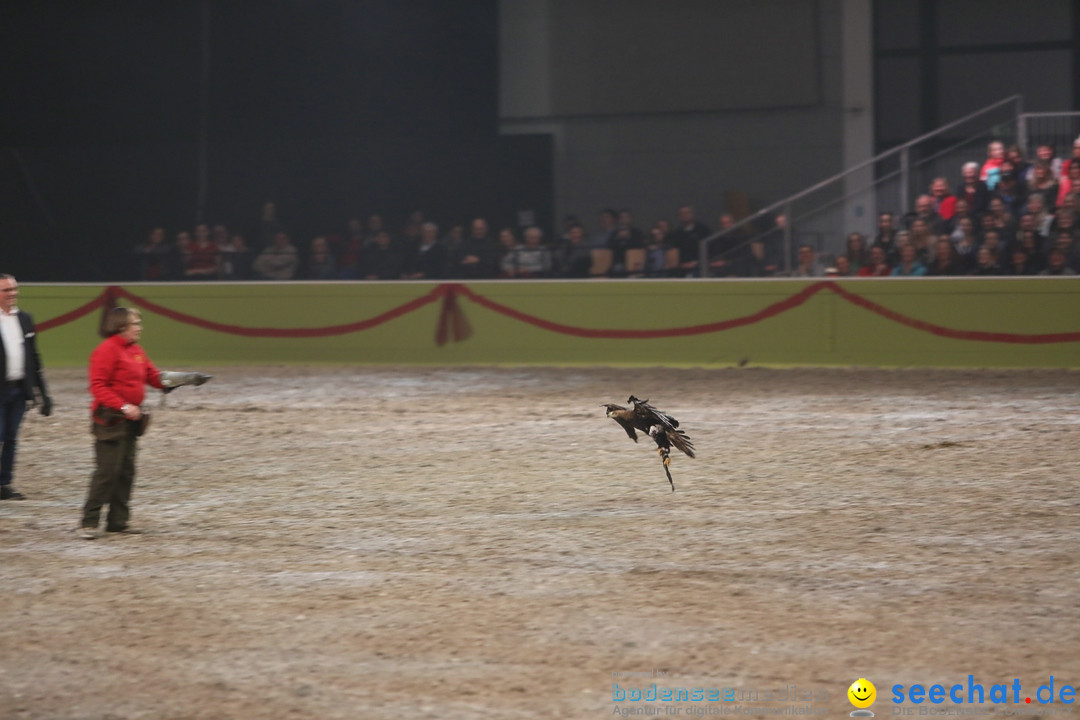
(1004, 216)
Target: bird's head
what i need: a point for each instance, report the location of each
(612, 408)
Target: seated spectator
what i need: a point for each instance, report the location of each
(626, 237)
(972, 189)
(155, 256)
(1064, 222)
(656, 248)
(1072, 159)
(985, 263)
(1070, 182)
(924, 210)
(910, 265)
(840, 268)
(1045, 185)
(573, 254)
(350, 253)
(757, 261)
(879, 263)
(1021, 166)
(1032, 245)
(454, 242)
(1019, 264)
(1045, 154)
(1057, 264)
(278, 261)
(533, 259)
(946, 261)
(886, 236)
(921, 238)
(382, 261)
(991, 169)
(428, 261)
(856, 254)
(993, 242)
(601, 239)
(1002, 220)
(478, 253)
(235, 258)
(203, 259)
(966, 243)
(1065, 241)
(687, 235)
(944, 201)
(1011, 190)
(508, 243)
(320, 263)
(807, 265)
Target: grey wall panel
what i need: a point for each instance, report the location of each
(642, 56)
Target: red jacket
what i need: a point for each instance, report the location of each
(119, 374)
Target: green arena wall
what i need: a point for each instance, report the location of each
(886, 322)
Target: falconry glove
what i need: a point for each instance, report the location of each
(172, 380)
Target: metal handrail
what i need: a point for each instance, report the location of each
(703, 245)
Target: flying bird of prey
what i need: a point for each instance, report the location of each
(661, 427)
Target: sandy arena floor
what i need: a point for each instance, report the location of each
(478, 543)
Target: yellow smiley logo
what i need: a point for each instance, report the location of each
(862, 693)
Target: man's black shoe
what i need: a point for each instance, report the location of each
(9, 493)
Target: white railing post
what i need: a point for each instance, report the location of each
(905, 179)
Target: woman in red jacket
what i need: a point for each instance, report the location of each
(119, 373)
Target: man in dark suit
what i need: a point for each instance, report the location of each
(20, 373)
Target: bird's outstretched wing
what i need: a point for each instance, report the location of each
(650, 416)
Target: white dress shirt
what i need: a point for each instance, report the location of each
(14, 344)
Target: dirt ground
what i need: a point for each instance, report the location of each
(483, 543)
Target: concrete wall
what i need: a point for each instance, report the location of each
(922, 322)
(661, 156)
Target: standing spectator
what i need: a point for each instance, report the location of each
(1020, 165)
(910, 265)
(428, 261)
(20, 372)
(277, 262)
(972, 189)
(155, 256)
(687, 235)
(203, 259)
(320, 263)
(879, 263)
